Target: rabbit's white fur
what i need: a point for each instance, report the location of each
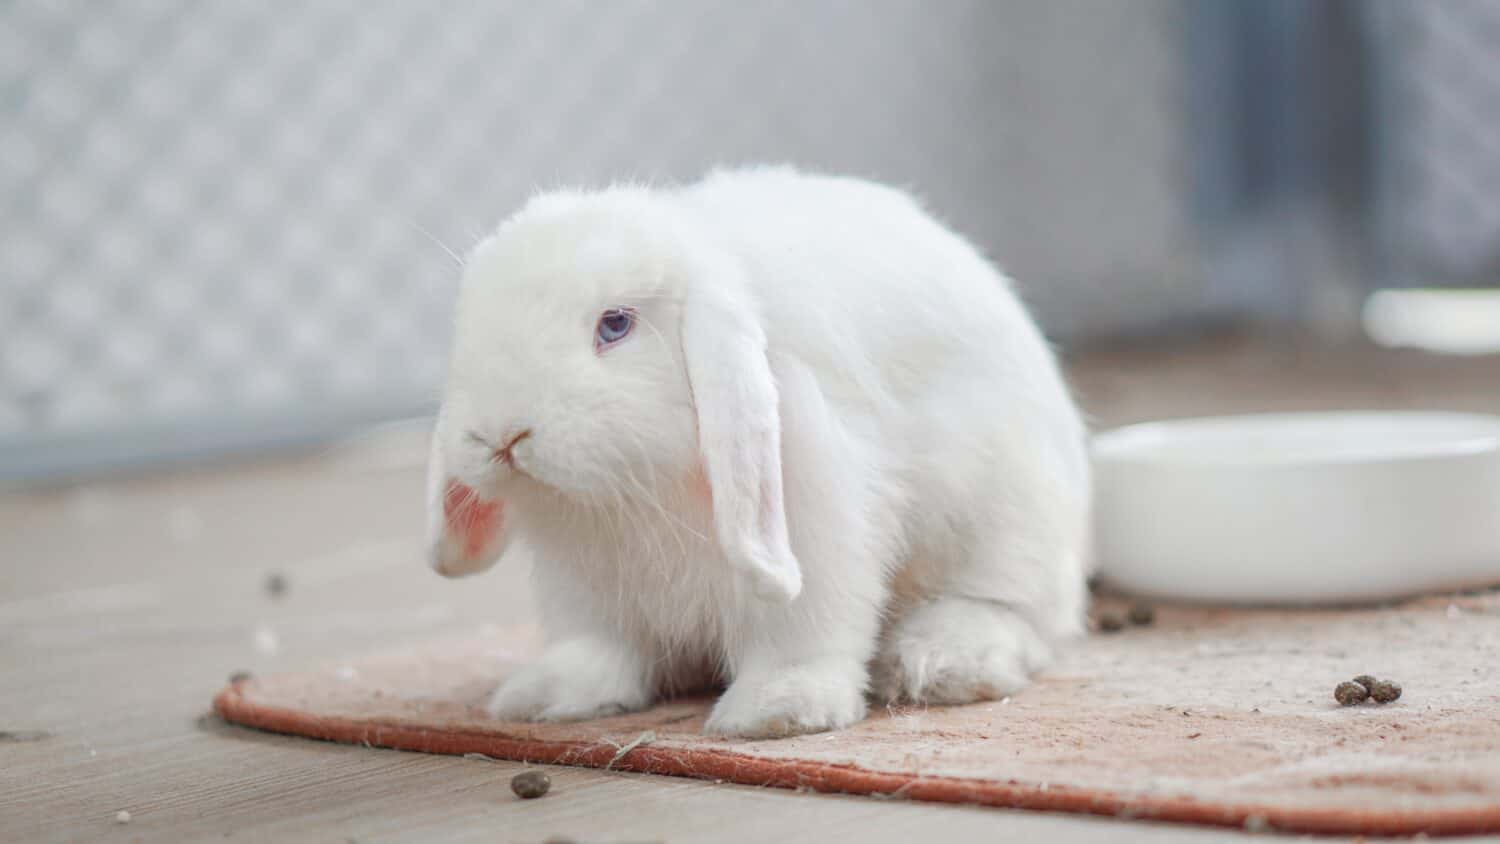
(834, 456)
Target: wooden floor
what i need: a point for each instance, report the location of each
(126, 603)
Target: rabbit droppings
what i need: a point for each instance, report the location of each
(778, 430)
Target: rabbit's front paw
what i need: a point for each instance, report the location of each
(573, 681)
(958, 650)
(790, 700)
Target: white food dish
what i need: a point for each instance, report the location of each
(1299, 508)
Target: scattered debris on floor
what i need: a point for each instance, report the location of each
(276, 584)
(621, 749)
(18, 736)
(529, 785)
(267, 643)
(1366, 687)
(122, 816)
(1116, 620)
(1257, 824)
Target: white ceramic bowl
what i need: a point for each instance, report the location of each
(1300, 508)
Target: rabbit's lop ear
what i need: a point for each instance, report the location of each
(465, 533)
(739, 436)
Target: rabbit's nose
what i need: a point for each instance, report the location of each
(503, 454)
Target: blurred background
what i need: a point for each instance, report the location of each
(225, 227)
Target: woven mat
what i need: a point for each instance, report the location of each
(1207, 716)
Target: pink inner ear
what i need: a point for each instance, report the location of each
(475, 521)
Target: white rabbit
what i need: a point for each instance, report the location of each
(776, 430)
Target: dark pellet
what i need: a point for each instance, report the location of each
(7, 736)
(529, 785)
(1111, 623)
(1384, 691)
(1350, 693)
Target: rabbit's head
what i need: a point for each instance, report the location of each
(603, 350)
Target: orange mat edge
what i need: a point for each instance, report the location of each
(233, 706)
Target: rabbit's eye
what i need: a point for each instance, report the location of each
(614, 324)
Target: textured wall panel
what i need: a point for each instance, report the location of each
(217, 211)
(1439, 139)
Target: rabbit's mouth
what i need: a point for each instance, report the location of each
(470, 516)
(472, 529)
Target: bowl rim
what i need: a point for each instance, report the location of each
(1139, 444)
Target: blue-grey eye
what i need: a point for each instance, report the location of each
(614, 324)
